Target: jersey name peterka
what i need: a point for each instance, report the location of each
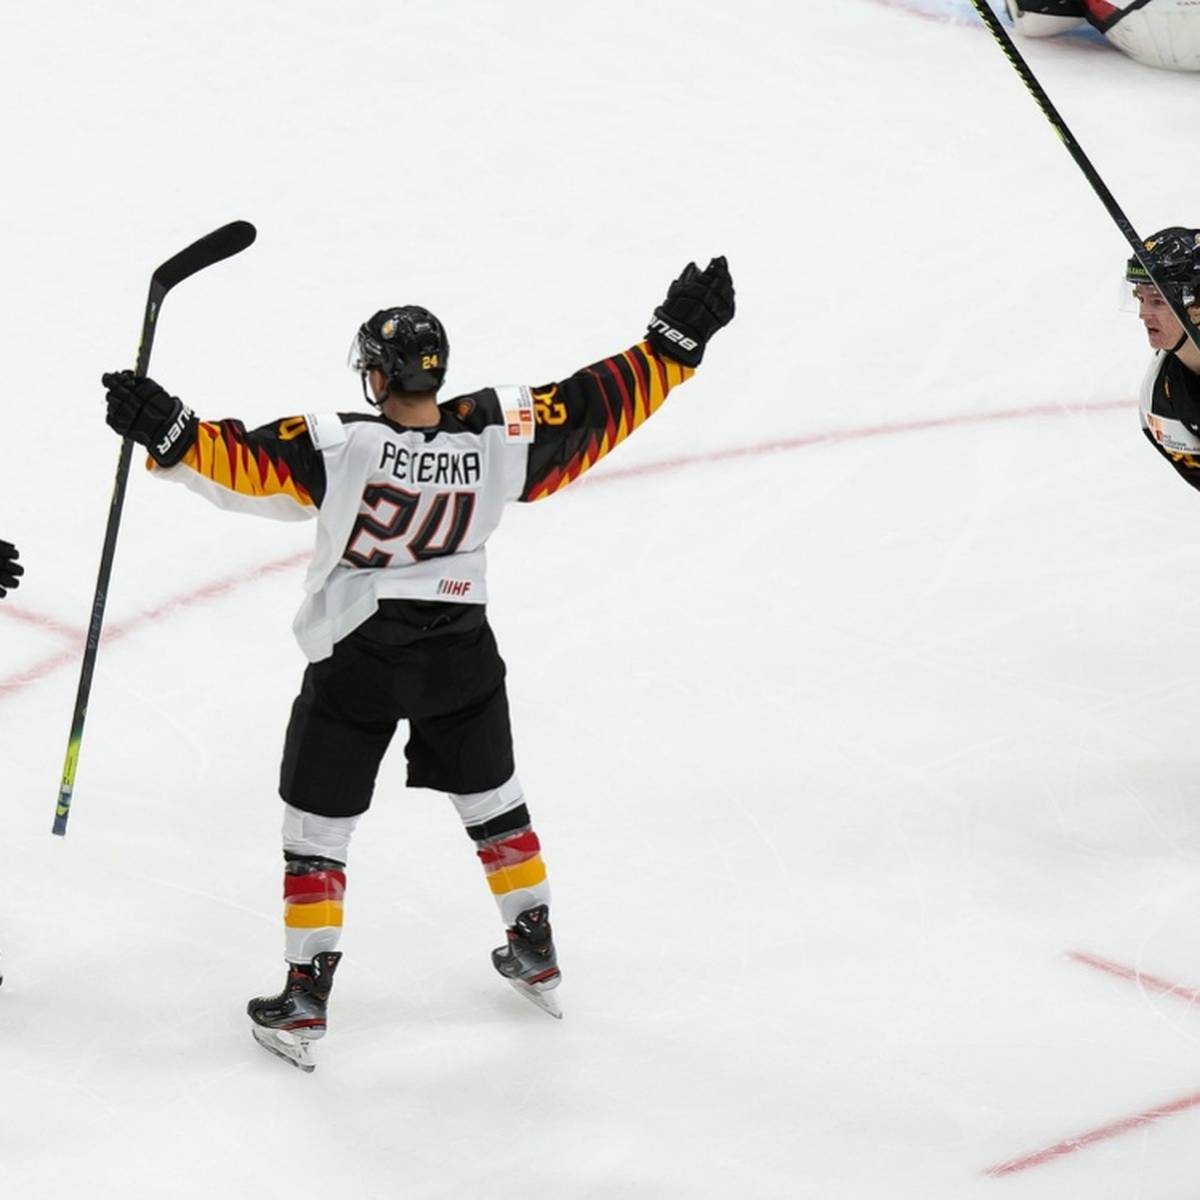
(438, 468)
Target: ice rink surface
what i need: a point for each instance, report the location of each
(855, 695)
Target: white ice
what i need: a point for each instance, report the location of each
(836, 750)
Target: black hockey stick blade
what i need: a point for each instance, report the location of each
(222, 243)
(1043, 101)
(212, 248)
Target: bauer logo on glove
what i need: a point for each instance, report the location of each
(698, 303)
(673, 335)
(179, 428)
(140, 409)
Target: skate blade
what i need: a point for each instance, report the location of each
(297, 1051)
(545, 1000)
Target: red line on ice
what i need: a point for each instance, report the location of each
(861, 433)
(230, 583)
(1102, 1134)
(119, 629)
(206, 591)
(1149, 983)
(42, 622)
(22, 679)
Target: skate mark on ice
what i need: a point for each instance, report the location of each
(18, 682)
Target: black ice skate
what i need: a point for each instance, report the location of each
(528, 960)
(288, 1024)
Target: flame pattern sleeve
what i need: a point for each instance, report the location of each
(578, 421)
(274, 470)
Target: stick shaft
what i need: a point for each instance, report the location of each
(1043, 101)
(211, 248)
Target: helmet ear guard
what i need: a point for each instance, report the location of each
(407, 344)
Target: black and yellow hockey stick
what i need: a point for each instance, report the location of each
(992, 21)
(212, 248)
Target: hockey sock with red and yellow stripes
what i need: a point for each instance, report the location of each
(512, 862)
(313, 893)
(315, 849)
(498, 822)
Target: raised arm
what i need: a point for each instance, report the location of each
(273, 471)
(579, 420)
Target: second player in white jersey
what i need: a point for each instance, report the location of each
(1169, 401)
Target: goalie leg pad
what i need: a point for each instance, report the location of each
(1162, 33)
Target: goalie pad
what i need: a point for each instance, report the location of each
(1156, 33)
(1045, 18)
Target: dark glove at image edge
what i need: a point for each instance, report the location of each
(10, 569)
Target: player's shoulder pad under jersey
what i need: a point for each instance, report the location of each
(476, 410)
(325, 429)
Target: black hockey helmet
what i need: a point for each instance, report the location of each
(1174, 256)
(408, 344)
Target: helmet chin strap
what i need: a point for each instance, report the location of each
(1179, 345)
(367, 394)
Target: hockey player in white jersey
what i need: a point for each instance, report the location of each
(1169, 403)
(394, 621)
(1158, 33)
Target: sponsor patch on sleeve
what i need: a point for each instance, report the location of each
(516, 405)
(1173, 436)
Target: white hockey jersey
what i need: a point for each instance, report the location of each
(1169, 408)
(405, 513)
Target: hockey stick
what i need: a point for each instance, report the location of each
(989, 18)
(212, 248)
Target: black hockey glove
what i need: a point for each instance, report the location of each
(10, 569)
(140, 409)
(698, 303)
